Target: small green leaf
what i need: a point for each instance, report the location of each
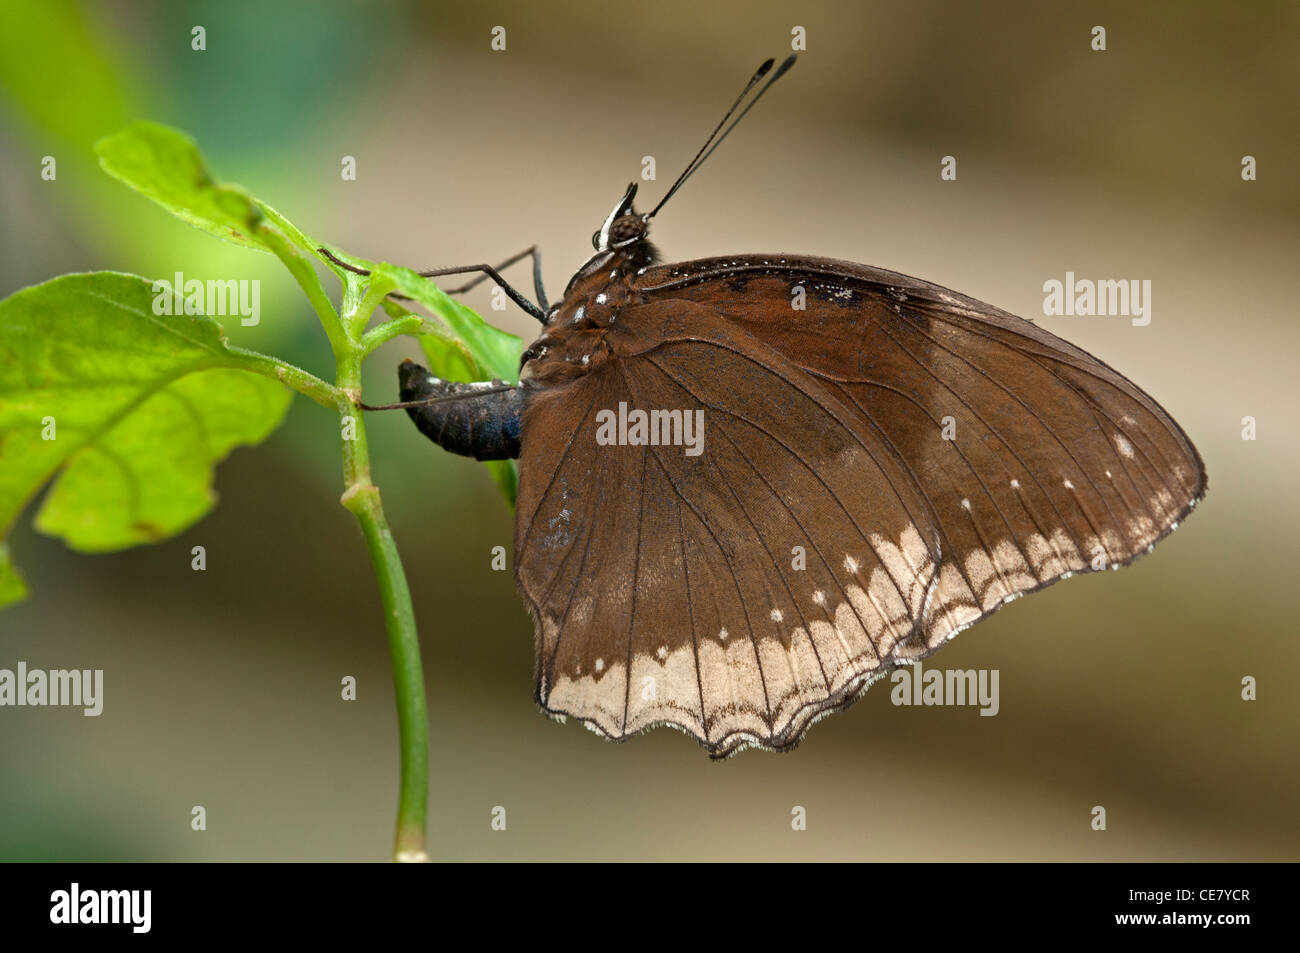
(448, 356)
(134, 408)
(506, 473)
(165, 165)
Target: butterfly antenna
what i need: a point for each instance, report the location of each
(714, 139)
(781, 71)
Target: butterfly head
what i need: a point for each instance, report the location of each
(623, 227)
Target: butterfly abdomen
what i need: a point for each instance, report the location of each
(480, 420)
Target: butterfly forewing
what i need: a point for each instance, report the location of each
(1036, 459)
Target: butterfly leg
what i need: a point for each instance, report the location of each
(479, 420)
(538, 289)
(488, 271)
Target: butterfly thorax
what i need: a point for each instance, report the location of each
(576, 341)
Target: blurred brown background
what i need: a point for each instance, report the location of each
(222, 688)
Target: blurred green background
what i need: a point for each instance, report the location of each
(222, 688)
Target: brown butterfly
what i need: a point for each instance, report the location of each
(749, 486)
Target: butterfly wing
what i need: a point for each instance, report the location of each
(737, 593)
(1036, 459)
(881, 469)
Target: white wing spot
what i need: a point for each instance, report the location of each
(1069, 485)
(1015, 484)
(600, 298)
(819, 597)
(722, 634)
(662, 652)
(850, 563)
(1122, 444)
(600, 665)
(965, 503)
(777, 615)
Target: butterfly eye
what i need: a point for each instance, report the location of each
(595, 240)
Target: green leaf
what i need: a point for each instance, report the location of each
(164, 164)
(131, 409)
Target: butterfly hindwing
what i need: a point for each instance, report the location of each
(746, 589)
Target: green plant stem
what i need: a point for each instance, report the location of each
(361, 497)
(305, 275)
(376, 291)
(345, 331)
(383, 333)
(408, 678)
(307, 384)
